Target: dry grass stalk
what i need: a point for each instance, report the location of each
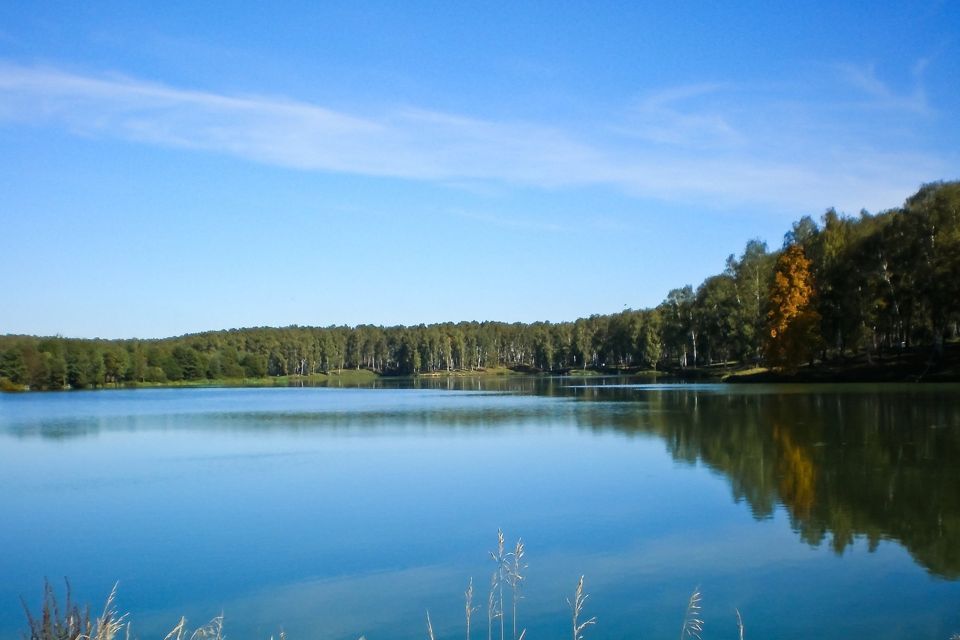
(178, 631)
(109, 623)
(576, 607)
(500, 557)
(75, 623)
(213, 630)
(429, 626)
(51, 625)
(515, 576)
(692, 624)
(492, 605)
(469, 609)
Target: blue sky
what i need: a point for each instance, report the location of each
(182, 168)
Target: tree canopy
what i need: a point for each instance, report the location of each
(848, 285)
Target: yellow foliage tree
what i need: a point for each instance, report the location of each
(793, 321)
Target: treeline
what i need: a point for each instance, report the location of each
(839, 287)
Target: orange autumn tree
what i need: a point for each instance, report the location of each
(793, 321)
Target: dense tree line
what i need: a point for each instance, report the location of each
(840, 287)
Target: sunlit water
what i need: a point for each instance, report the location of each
(828, 512)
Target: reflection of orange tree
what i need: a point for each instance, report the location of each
(797, 474)
(857, 464)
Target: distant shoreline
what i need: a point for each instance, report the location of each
(900, 368)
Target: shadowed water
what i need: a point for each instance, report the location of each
(828, 512)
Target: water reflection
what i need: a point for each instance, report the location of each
(857, 461)
(880, 463)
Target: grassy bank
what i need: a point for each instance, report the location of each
(907, 365)
(470, 373)
(341, 378)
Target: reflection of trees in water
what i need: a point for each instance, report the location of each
(796, 472)
(879, 465)
(875, 464)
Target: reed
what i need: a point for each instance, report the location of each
(213, 630)
(492, 606)
(109, 624)
(429, 627)
(576, 608)
(54, 623)
(692, 623)
(469, 609)
(72, 622)
(501, 559)
(515, 577)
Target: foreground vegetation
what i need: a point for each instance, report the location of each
(863, 287)
(73, 622)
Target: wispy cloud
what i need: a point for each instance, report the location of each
(677, 144)
(667, 116)
(880, 94)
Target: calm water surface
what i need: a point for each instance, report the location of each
(828, 512)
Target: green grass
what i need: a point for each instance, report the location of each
(344, 377)
(7, 385)
(351, 377)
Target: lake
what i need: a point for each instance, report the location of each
(816, 511)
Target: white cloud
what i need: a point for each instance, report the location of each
(881, 96)
(661, 117)
(679, 143)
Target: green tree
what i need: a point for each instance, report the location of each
(11, 365)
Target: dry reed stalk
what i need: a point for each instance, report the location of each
(692, 624)
(491, 605)
(739, 623)
(576, 607)
(515, 576)
(468, 605)
(52, 625)
(109, 624)
(213, 630)
(178, 631)
(429, 626)
(502, 567)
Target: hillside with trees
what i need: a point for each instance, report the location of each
(841, 289)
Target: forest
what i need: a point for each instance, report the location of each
(840, 287)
